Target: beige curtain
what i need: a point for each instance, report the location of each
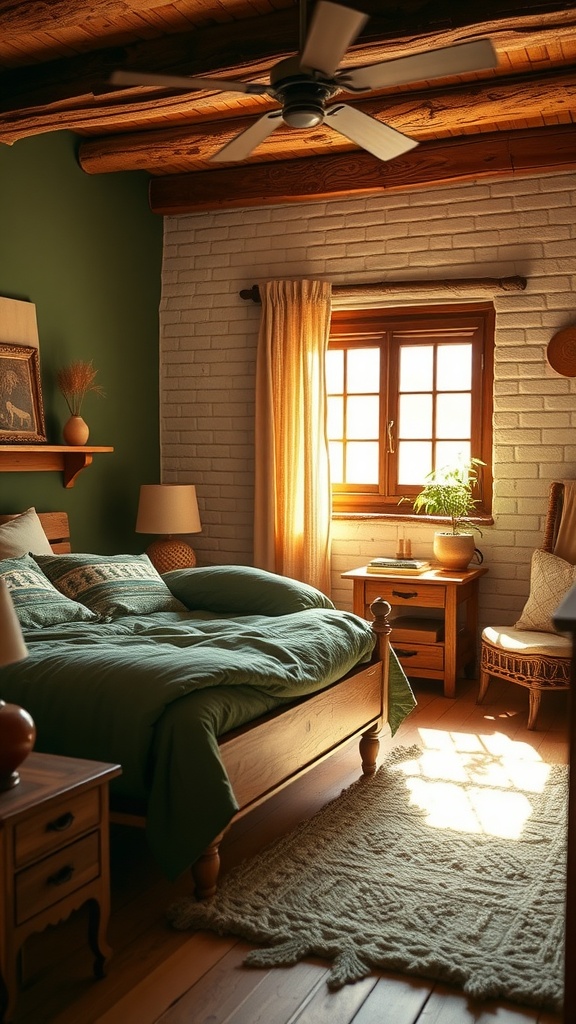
(292, 517)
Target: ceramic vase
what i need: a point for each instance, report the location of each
(76, 431)
(17, 736)
(454, 550)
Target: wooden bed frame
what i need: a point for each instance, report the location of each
(265, 755)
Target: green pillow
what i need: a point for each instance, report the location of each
(36, 601)
(110, 585)
(243, 590)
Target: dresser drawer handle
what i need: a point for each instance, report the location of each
(62, 876)
(406, 595)
(405, 654)
(60, 824)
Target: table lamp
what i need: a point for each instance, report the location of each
(169, 509)
(17, 730)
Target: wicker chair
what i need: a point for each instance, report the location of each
(540, 661)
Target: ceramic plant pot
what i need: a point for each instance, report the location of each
(454, 550)
(76, 431)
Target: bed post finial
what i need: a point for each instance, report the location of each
(380, 610)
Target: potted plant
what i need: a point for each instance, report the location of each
(448, 492)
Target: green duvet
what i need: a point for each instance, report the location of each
(152, 693)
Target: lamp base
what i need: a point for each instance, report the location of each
(167, 554)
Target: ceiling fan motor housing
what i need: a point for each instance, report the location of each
(302, 94)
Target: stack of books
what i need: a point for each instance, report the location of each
(403, 566)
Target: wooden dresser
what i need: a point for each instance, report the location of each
(54, 857)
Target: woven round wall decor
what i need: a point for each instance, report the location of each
(561, 352)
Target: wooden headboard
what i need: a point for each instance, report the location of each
(56, 528)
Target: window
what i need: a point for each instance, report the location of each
(408, 391)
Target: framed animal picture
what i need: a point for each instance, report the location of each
(21, 409)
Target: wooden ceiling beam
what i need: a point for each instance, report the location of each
(419, 115)
(23, 19)
(499, 154)
(247, 48)
(18, 19)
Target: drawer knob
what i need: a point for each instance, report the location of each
(405, 654)
(406, 595)
(60, 824)
(62, 876)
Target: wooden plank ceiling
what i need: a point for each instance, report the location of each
(56, 57)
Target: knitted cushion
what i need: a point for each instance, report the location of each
(36, 601)
(110, 585)
(550, 578)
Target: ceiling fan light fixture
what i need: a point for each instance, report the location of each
(303, 115)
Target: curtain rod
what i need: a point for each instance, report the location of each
(458, 284)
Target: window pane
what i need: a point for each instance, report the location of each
(363, 374)
(363, 417)
(415, 412)
(336, 452)
(335, 417)
(362, 462)
(414, 462)
(335, 371)
(453, 412)
(454, 367)
(416, 367)
(449, 452)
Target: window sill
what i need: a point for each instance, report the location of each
(403, 517)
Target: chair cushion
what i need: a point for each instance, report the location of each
(520, 641)
(550, 579)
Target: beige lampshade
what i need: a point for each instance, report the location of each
(168, 509)
(12, 646)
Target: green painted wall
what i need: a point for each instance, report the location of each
(87, 251)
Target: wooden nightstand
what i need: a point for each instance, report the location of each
(440, 590)
(54, 856)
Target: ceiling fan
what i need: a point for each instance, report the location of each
(304, 83)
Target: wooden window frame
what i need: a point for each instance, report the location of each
(389, 327)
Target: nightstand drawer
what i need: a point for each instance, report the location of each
(420, 656)
(406, 593)
(60, 823)
(55, 877)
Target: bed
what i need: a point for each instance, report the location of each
(212, 687)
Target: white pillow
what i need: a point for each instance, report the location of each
(23, 535)
(550, 579)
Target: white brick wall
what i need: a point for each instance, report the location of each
(208, 347)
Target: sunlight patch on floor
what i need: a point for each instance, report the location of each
(475, 783)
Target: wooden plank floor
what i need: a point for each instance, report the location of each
(159, 975)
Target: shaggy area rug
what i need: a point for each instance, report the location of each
(448, 864)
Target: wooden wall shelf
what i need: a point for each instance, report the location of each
(44, 458)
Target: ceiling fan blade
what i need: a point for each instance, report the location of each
(379, 139)
(241, 147)
(418, 67)
(184, 82)
(332, 30)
